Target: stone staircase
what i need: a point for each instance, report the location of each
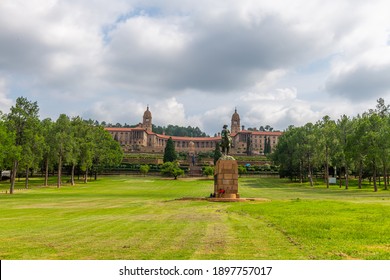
(195, 171)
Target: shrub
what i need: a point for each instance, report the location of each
(208, 171)
(266, 167)
(171, 169)
(144, 169)
(242, 170)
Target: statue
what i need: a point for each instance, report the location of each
(226, 141)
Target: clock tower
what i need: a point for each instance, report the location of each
(235, 125)
(147, 120)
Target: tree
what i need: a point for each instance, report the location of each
(6, 144)
(21, 122)
(144, 169)
(343, 155)
(327, 142)
(172, 169)
(385, 146)
(360, 145)
(248, 146)
(287, 154)
(267, 145)
(309, 147)
(32, 150)
(169, 152)
(107, 151)
(266, 128)
(359, 142)
(87, 145)
(174, 130)
(383, 112)
(381, 108)
(373, 138)
(77, 128)
(217, 153)
(63, 143)
(48, 156)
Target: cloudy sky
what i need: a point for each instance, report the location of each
(278, 62)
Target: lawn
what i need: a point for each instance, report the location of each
(140, 218)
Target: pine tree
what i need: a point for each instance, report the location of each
(169, 152)
(269, 145)
(265, 145)
(217, 153)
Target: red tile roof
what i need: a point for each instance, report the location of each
(184, 138)
(161, 136)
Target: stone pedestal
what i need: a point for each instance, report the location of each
(226, 178)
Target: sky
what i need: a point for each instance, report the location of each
(278, 62)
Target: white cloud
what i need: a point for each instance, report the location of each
(5, 102)
(280, 62)
(279, 94)
(116, 110)
(169, 111)
(278, 109)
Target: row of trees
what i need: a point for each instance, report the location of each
(27, 143)
(175, 130)
(358, 145)
(172, 130)
(262, 128)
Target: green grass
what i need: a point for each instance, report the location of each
(140, 218)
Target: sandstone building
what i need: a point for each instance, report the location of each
(142, 139)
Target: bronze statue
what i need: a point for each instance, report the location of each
(226, 141)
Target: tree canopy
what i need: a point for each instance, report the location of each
(169, 151)
(170, 129)
(358, 145)
(29, 144)
(175, 130)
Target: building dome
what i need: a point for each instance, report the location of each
(235, 125)
(147, 120)
(235, 116)
(147, 113)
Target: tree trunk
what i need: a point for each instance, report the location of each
(72, 176)
(59, 172)
(326, 168)
(46, 172)
(13, 176)
(86, 176)
(385, 176)
(26, 184)
(300, 172)
(310, 175)
(340, 181)
(360, 174)
(346, 177)
(374, 176)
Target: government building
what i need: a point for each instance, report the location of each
(142, 139)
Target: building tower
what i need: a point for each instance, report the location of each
(235, 126)
(147, 120)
